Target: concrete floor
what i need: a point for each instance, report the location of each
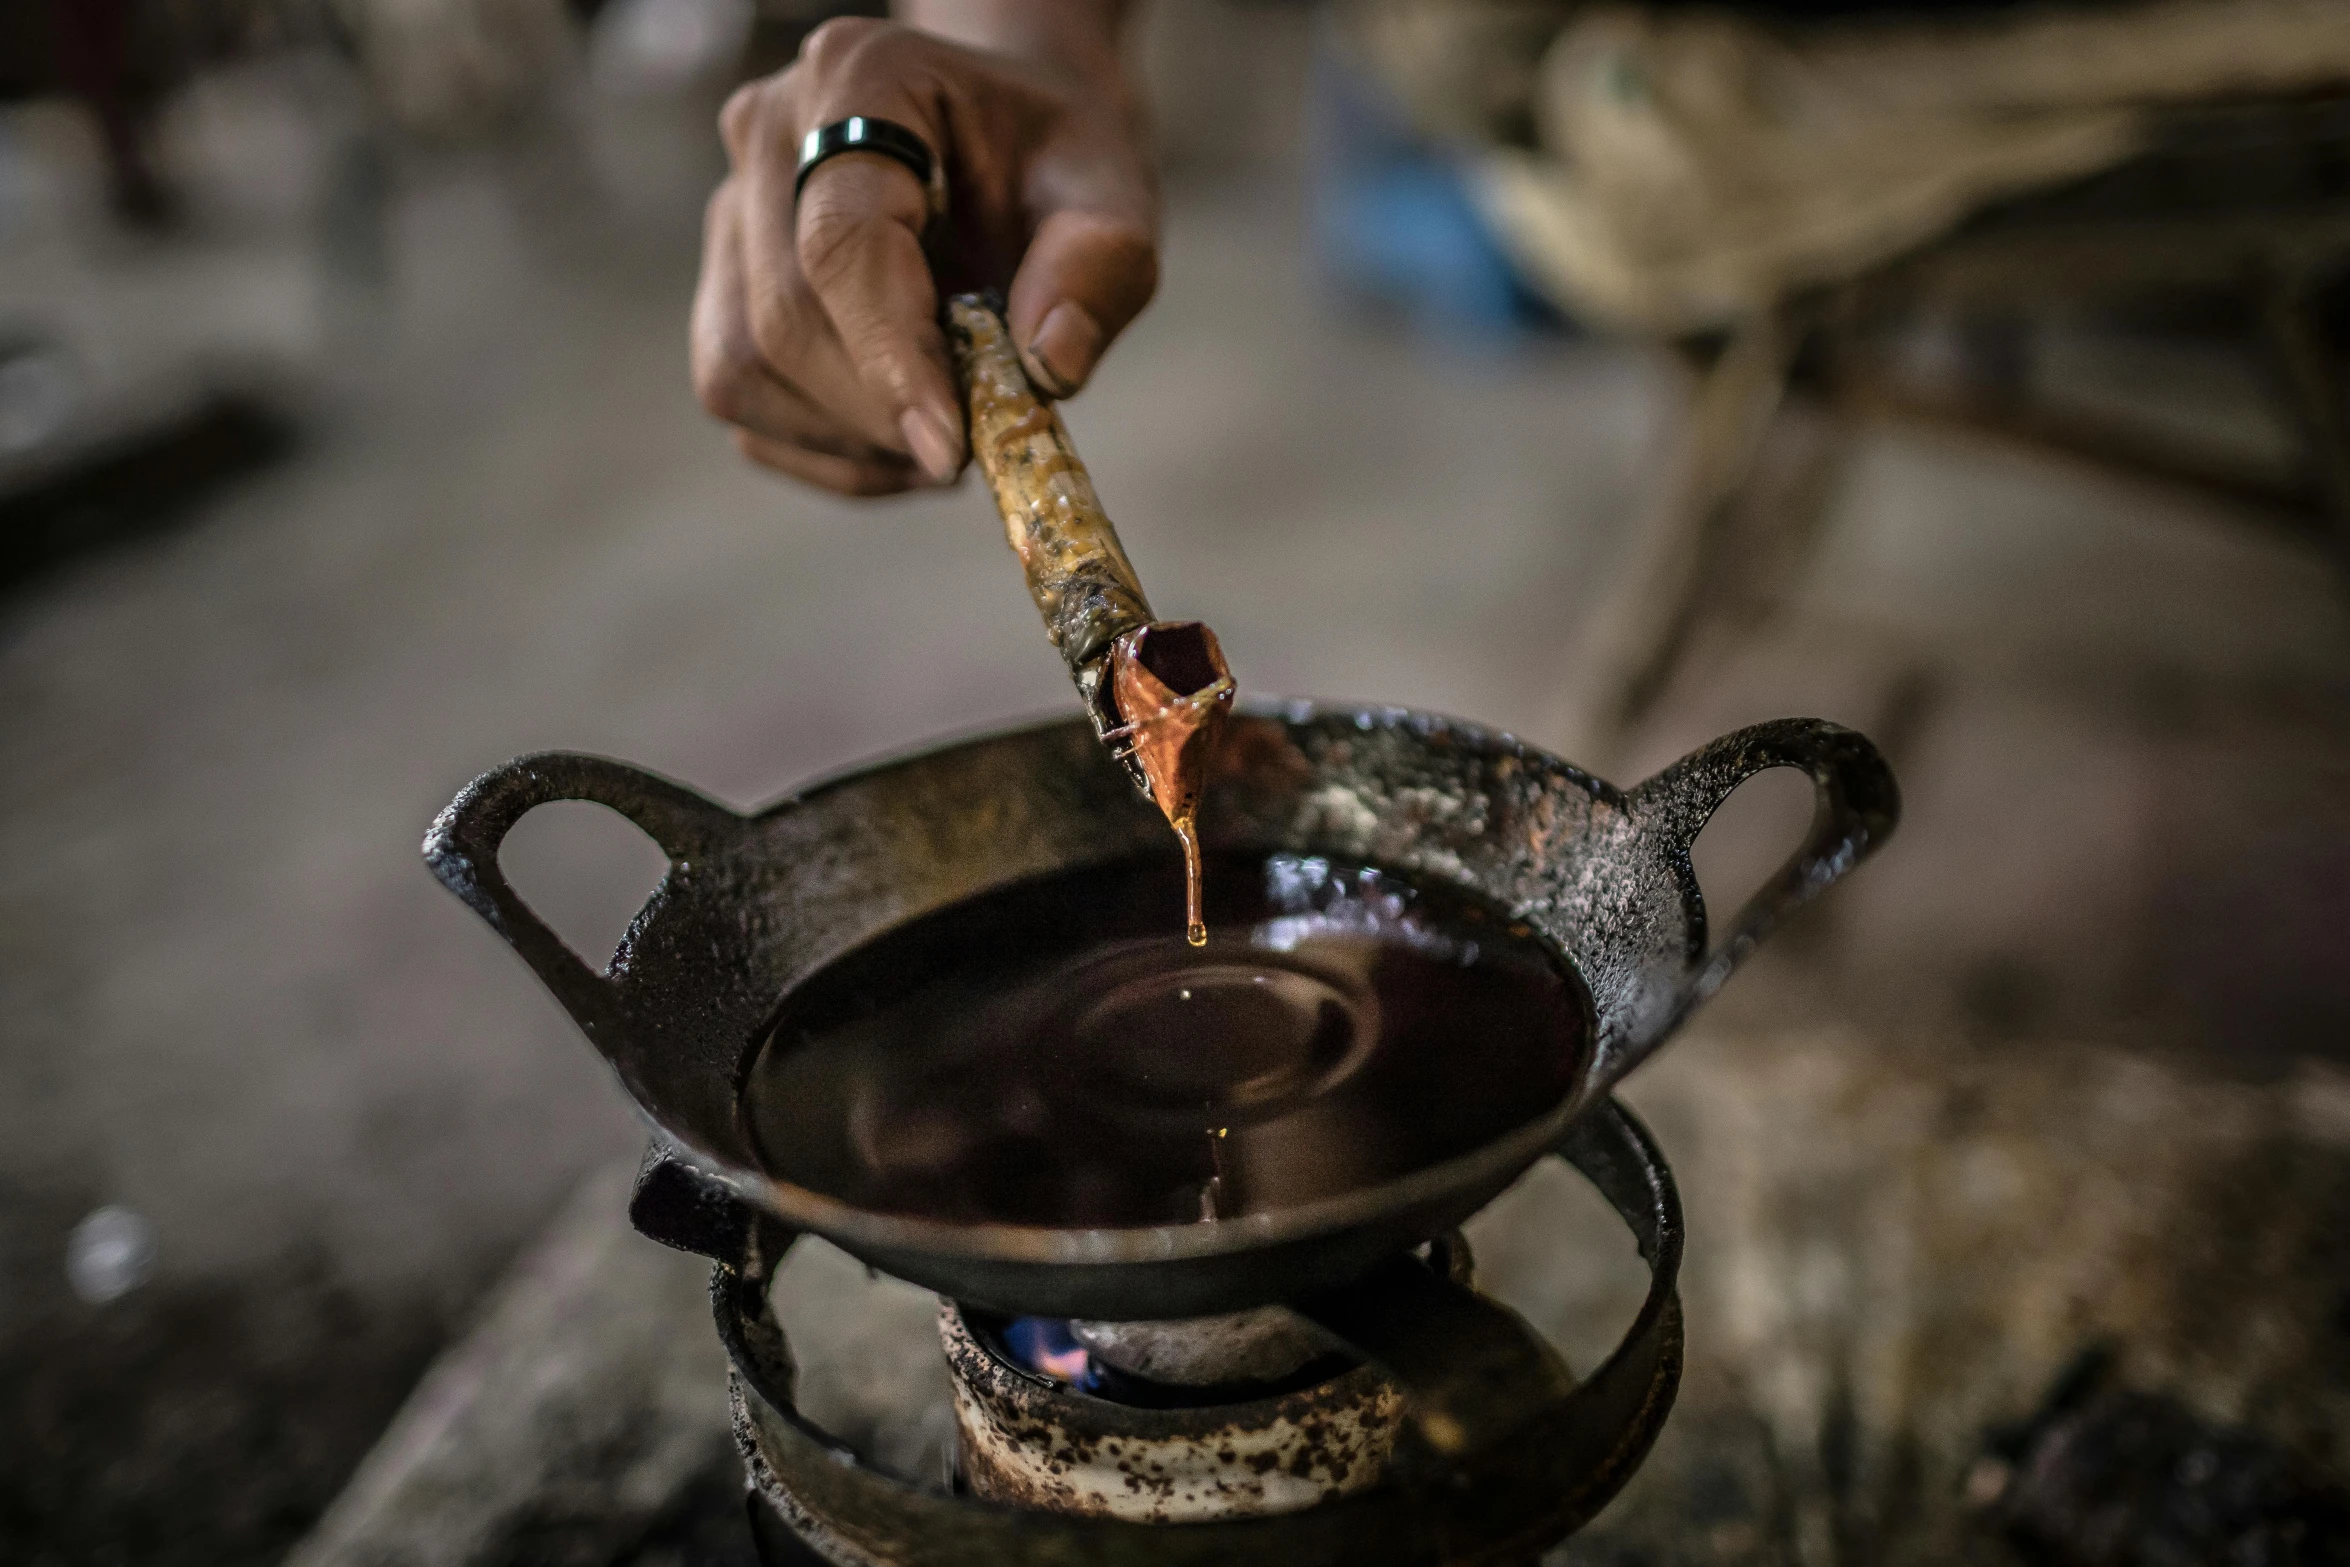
(236, 1004)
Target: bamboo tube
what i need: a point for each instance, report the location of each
(1156, 691)
(1077, 570)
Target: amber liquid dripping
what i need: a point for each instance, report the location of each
(1195, 923)
(1169, 682)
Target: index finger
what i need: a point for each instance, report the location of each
(858, 235)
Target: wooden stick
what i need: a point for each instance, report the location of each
(1157, 691)
(1077, 570)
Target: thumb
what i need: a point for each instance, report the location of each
(1085, 276)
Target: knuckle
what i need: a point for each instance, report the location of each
(831, 45)
(724, 370)
(739, 119)
(721, 382)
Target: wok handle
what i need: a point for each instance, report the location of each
(462, 850)
(1857, 806)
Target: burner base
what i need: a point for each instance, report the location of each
(1027, 1441)
(1502, 1499)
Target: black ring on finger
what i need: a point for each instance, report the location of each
(865, 133)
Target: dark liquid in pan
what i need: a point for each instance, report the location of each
(1054, 1054)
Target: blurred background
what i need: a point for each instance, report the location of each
(1615, 376)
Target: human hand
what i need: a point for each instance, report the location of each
(815, 326)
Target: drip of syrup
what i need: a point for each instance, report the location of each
(1173, 690)
(1195, 922)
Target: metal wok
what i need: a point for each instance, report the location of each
(751, 906)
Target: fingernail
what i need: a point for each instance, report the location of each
(938, 449)
(1064, 349)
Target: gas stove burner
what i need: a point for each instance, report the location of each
(1159, 1365)
(1428, 1424)
(1260, 1347)
(1114, 1445)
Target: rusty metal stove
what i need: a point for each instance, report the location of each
(1266, 1435)
(1065, 1432)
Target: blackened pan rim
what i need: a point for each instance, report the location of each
(1288, 711)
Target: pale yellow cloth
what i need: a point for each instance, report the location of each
(1692, 167)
